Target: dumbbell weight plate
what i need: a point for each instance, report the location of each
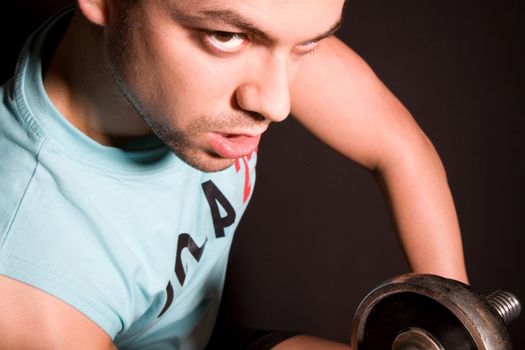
(446, 310)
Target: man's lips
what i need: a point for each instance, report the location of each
(232, 146)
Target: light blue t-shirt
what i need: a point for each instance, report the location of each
(135, 239)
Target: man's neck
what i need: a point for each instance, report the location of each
(78, 81)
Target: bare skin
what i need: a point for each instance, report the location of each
(251, 81)
(306, 342)
(32, 319)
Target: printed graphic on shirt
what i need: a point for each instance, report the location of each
(223, 215)
(215, 198)
(247, 183)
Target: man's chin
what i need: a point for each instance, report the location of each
(208, 163)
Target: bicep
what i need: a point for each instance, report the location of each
(339, 99)
(31, 319)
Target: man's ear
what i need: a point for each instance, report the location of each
(96, 11)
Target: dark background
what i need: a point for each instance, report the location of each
(317, 236)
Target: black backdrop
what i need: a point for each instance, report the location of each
(317, 236)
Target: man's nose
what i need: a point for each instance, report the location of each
(266, 90)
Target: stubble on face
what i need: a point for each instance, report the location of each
(180, 142)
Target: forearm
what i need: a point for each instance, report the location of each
(423, 210)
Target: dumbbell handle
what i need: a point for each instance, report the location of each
(506, 305)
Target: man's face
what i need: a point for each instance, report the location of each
(208, 76)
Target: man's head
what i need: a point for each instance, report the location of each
(208, 76)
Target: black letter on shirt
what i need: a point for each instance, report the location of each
(214, 196)
(169, 299)
(185, 241)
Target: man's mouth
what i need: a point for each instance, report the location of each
(232, 146)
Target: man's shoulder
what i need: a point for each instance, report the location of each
(17, 154)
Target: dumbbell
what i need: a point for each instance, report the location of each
(428, 312)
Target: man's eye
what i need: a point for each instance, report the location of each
(226, 41)
(308, 47)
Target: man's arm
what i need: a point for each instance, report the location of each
(338, 98)
(32, 319)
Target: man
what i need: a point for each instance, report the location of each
(108, 239)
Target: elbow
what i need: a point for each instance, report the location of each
(411, 156)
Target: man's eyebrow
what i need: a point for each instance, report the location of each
(236, 20)
(335, 27)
